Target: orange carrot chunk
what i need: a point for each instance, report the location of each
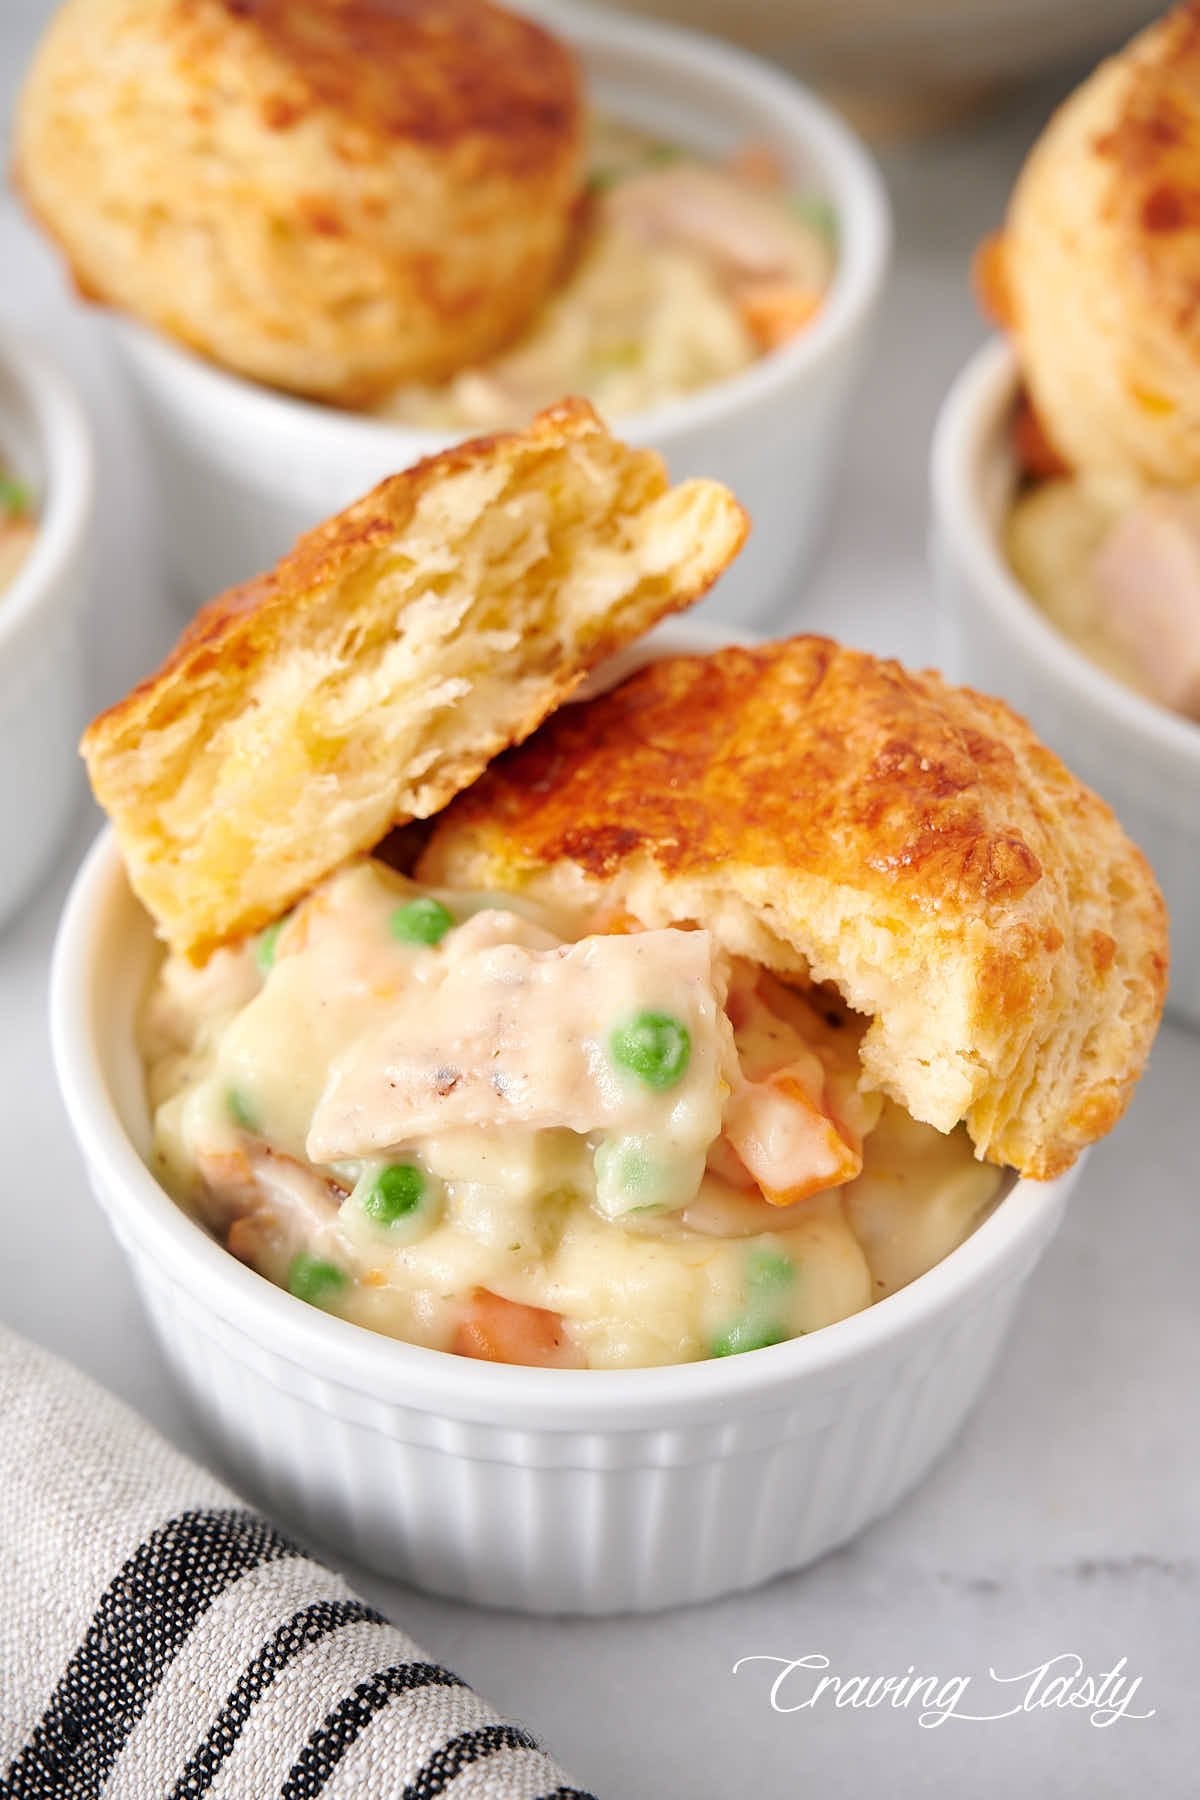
(789, 1144)
(775, 311)
(494, 1329)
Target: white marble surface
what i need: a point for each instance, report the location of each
(1066, 1519)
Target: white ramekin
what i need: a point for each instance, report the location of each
(245, 469)
(1144, 760)
(544, 1490)
(45, 439)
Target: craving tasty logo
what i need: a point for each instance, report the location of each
(801, 1684)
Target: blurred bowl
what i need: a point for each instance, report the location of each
(46, 442)
(913, 64)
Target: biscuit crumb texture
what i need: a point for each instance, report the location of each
(841, 819)
(387, 659)
(328, 196)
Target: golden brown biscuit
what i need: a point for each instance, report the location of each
(1101, 262)
(327, 195)
(831, 815)
(387, 658)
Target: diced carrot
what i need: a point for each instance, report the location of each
(494, 1329)
(775, 311)
(613, 921)
(787, 1141)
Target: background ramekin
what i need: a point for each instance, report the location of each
(1144, 760)
(545, 1490)
(245, 469)
(46, 442)
(922, 62)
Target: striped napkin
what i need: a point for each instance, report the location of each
(158, 1641)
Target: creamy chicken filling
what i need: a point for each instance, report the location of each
(456, 1119)
(684, 272)
(1116, 566)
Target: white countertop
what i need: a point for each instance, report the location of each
(1067, 1517)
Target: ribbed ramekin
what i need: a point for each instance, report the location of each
(44, 438)
(545, 1490)
(244, 469)
(1144, 760)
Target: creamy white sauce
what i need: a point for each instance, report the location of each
(684, 273)
(403, 1130)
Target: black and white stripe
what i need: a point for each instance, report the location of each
(308, 1626)
(298, 1708)
(142, 1619)
(310, 1773)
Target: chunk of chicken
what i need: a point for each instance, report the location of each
(748, 237)
(267, 1206)
(1147, 581)
(501, 1035)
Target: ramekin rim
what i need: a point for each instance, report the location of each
(370, 1363)
(983, 387)
(844, 165)
(64, 448)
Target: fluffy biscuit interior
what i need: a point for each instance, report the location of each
(387, 659)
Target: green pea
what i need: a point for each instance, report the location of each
(815, 211)
(396, 1191)
(600, 179)
(313, 1279)
(14, 497)
(240, 1110)
(623, 1165)
(607, 175)
(766, 1268)
(421, 921)
(654, 1046)
(628, 1177)
(747, 1334)
(264, 947)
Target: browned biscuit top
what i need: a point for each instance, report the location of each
(1153, 154)
(802, 753)
(428, 70)
(1099, 276)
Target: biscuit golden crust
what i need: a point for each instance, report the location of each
(326, 195)
(1102, 262)
(381, 665)
(834, 815)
